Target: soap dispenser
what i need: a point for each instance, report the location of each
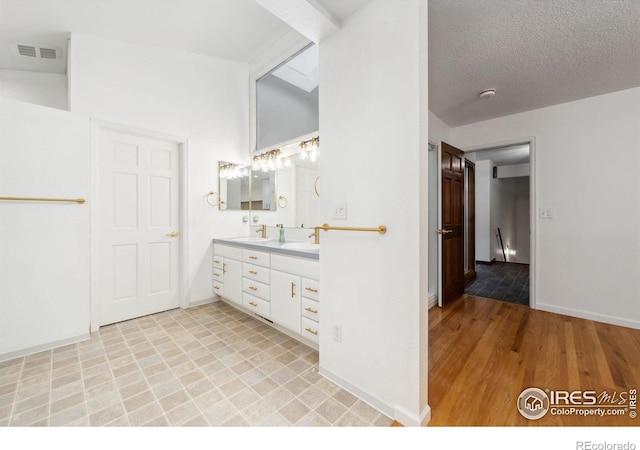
(281, 233)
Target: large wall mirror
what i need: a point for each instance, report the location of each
(234, 186)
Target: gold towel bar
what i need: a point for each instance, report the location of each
(381, 229)
(36, 199)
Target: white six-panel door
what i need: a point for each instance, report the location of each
(138, 194)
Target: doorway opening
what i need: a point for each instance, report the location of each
(502, 224)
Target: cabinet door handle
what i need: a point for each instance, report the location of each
(216, 261)
(314, 311)
(253, 304)
(311, 289)
(216, 287)
(224, 268)
(253, 288)
(311, 331)
(293, 292)
(253, 257)
(253, 272)
(216, 274)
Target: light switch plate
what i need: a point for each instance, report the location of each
(545, 213)
(340, 211)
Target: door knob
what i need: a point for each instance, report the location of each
(173, 234)
(443, 231)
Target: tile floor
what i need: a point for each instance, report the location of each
(205, 366)
(508, 282)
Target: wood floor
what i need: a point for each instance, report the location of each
(483, 353)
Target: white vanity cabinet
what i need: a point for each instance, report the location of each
(255, 282)
(279, 287)
(310, 309)
(294, 287)
(285, 303)
(227, 272)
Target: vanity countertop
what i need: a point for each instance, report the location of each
(271, 245)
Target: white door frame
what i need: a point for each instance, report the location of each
(533, 206)
(96, 127)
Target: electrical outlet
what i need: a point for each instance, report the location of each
(337, 333)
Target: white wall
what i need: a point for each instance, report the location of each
(284, 111)
(202, 99)
(523, 206)
(484, 235)
(372, 138)
(503, 216)
(46, 89)
(513, 170)
(44, 247)
(585, 160)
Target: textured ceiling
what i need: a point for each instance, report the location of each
(536, 53)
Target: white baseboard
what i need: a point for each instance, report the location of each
(411, 420)
(589, 315)
(203, 302)
(43, 347)
(396, 413)
(433, 301)
(385, 409)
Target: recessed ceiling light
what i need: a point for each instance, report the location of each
(487, 93)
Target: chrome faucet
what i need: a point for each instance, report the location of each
(263, 230)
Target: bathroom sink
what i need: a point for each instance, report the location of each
(300, 246)
(251, 239)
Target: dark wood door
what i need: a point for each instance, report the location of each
(452, 230)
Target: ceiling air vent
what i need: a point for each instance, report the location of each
(27, 50)
(36, 51)
(48, 53)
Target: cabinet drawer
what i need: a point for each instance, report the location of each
(310, 329)
(255, 273)
(218, 288)
(310, 289)
(255, 288)
(303, 267)
(310, 309)
(227, 251)
(218, 274)
(218, 261)
(254, 257)
(256, 305)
